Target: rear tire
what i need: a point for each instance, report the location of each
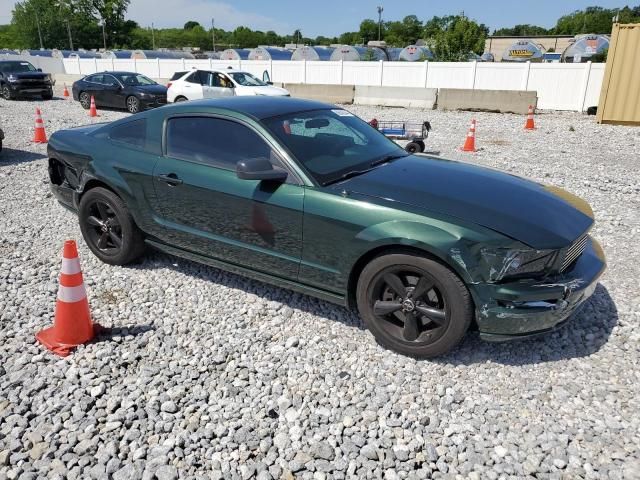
(108, 227)
(85, 100)
(413, 305)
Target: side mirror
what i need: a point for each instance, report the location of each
(260, 169)
(269, 83)
(39, 69)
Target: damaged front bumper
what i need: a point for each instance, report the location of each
(508, 311)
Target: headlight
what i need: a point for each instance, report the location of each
(504, 263)
(12, 78)
(48, 79)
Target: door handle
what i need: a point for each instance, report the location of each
(170, 178)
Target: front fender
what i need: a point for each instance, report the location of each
(451, 244)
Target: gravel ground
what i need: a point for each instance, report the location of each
(209, 375)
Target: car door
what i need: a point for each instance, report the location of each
(112, 94)
(205, 208)
(93, 86)
(215, 85)
(192, 86)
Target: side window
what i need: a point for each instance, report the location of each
(213, 141)
(109, 80)
(193, 78)
(95, 79)
(207, 79)
(132, 133)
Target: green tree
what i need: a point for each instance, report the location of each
(589, 20)
(191, 24)
(368, 30)
(521, 31)
(458, 38)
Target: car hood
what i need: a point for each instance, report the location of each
(267, 90)
(540, 216)
(28, 75)
(152, 89)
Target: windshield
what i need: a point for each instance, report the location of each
(246, 79)
(134, 80)
(332, 144)
(17, 67)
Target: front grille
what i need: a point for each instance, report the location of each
(574, 251)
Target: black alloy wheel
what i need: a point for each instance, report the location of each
(104, 230)
(108, 228)
(85, 100)
(414, 305)
(409, 304)
(6, 92)
(133, 104)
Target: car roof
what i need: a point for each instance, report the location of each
(259, 106)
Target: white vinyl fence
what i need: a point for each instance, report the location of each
(560, 86)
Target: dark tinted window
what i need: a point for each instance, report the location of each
(193, 78)
(132, 133)
(216, 142)
(95, 79)
(177, 75)
(17, 67)
(109, 80)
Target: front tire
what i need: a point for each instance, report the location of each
(133, 104)
(6, 93)
(180, 99)
(108, 227)
(413, 305)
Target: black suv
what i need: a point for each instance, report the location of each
(18, 78)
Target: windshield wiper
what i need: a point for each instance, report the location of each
(387, 158)
(344, 176)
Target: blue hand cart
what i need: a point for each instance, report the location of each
(414, 132)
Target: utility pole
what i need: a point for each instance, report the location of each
(69, 32)
(39, 31)
(380, 9)
(213, 34)
(104, 35)
(153, 38)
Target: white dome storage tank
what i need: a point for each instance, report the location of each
(117, 54)
(523, 51)
(393, 53)
(313, 54)
(585, 47)
(234, 54)
(268, 53)
(153, 54)
(415, 53)
(349, 53)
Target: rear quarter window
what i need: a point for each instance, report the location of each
(177, 75)
(133, 133)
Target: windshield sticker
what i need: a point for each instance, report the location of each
(342, 113)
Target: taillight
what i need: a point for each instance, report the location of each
(169, 85)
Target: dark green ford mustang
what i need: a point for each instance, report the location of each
(309, 197)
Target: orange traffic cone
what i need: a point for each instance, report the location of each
(39, 135)
(66, 92)
(92, 110)
(529, 124)
(72, 325)
(470, 142)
